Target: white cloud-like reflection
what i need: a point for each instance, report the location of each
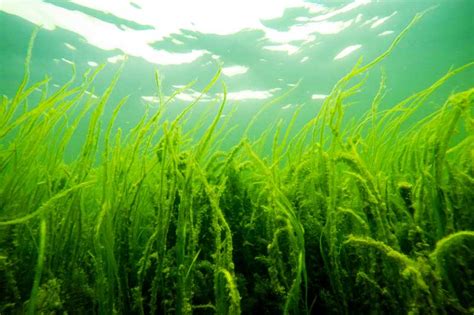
(175, 23)
(165, 19)
(347, 51)
(234, 70)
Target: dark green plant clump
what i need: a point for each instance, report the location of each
(374, 217)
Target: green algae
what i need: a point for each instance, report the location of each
(369, 217)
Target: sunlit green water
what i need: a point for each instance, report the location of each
(340, 215)
(264, 49)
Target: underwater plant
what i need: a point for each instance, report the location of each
(373, 216)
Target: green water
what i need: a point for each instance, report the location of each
(288, 178)
(442, 40)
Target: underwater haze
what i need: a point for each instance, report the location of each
(236, 157)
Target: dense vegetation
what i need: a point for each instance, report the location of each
(374, 216)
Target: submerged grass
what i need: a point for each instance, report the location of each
(372, 217)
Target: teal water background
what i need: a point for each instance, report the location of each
(264, 49)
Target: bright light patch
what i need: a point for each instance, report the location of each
(101, 34)
(386, 33)
(347, 51)
(69, 46)
(372, 20)
(382, 20)
(116, 59)
(191, 95)
(91, 94)
(151, 99)
(302, 19)
(303, 33)
(318, 96)
(190, 36)
(67, 61)
(234, 70)
(200, 17)
(289, 49)
(92, 64)
(328, 27)
(177, 42)
(185, 97)
(248, 95)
